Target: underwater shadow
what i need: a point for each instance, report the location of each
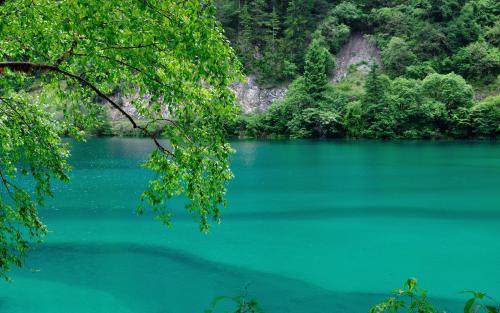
(152, 279)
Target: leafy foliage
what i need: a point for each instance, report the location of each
(478, 60)
(410, 299)
(238, 304)
(333, 33)
(438, 106)
(70, 53)
(450, 89)
(397, 56)
(451, 36)
(484, 117)
(30, 145)
(318, 63)
(413, 299)
(478, 303)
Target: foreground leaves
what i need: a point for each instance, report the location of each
(170, 56)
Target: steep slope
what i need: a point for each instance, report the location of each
(253, 98)
(358, 50)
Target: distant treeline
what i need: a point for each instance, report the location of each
(437, 56)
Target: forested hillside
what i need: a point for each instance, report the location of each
(439, 76)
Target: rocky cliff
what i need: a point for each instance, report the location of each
(358, 52)
(252, 98)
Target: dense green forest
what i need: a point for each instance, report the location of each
(438, 78)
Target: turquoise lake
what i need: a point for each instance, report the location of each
(311, 226)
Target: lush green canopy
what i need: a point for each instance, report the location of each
(76, 55)
(437, 60)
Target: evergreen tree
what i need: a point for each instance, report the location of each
(228, 13)
(315, 69)
(271, 67)
(374, 89)
(245, 46)
(296, 30)
(261, 20)
(377, 114)
(274, 28)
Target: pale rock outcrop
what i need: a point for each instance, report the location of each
(358, 51)
(252, 98)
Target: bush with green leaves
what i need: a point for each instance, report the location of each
(389, 22)
(479, 61)
(274, 121)
(413, 299)
(334, 33)
(410, 299)
(352, 119)
(315, 123)
(348, 13)
(450, 89)
(492, 35)
(485, 118)
(419, 71)
(397, 55)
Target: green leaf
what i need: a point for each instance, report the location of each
(468, 305)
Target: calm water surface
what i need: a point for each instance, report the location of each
(312, 226)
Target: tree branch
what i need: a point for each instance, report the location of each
(29, 67)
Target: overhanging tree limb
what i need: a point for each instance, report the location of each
(29, 67)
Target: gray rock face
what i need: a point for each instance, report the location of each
(125, 102)
(357, 51)
(253, 98)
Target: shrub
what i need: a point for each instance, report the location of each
(479, 61)
(335, 34)
(485, 117)
(410, 298)
(397, 55)
(352, 119)
(315, 123)
(450, 89)
(419, 71)
(493, 35)
(347, 12)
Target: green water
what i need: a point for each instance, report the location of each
(313, 226)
